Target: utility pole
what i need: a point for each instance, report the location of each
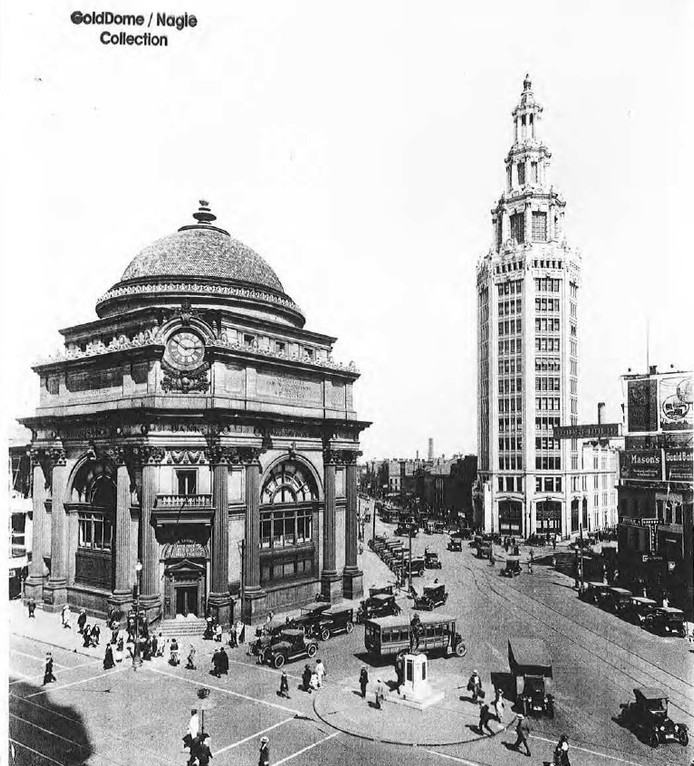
(409, 583)
(580, 555)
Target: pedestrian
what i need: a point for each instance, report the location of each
(208, 635)
(154, 646)
(118, 653)
(234, 635)
(216, 664)
(532, 555)
(48, 676)
(284, 685)
(380, 694)
(218, 633)
(65, 615)
(190, 739)
(306, 678)
(554, 562)
(174, 658)
(81, 621)
(202, 750)
(516, 550)
(264, 752)
(498, 705)
(270, 616)
(190, 661)
(115, 630)
(223, 661)
(86, 635)
(95, 635)
(399, 671)
(530, 566)
(492, 560)
(161, 644)
(320, 672)
(31, 606)
(474, 685)
(363, 681)
(554, 543)
(507, 542)
(485, 717)
(522, 734)
(108, 658)
(314, 681)
(561, 752)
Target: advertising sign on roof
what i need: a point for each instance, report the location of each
(675, 403)
(588, 431)
(646, 465)
(642, 403)
(679, 464)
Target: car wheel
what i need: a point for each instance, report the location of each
(325, 634)
(311, 650)
(654, 740)
(397, 610)
(461, 649)
(349, 627)
(279, 660)
(683, 738)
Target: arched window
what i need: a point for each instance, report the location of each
(289, 500)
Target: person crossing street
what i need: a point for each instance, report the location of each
(522, 734)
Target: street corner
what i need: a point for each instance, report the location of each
(453, 721)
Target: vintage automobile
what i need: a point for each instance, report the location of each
(439, 527)
(593, 592)
(616, 599)
(647, 717)
(465, 533)
(291, 644)
(380, 603)
(431, 597)
(638, 608)
(265, 635)
(418, 565)
(429, 527)
(310, 616)
(377, 539)
(579, 543)
(335, 620)
(531, 665)
(431, 559)
(483, 550)
(536, 540)
(387, 636)
(512, 567)
(455, 544)
(406, 529)
(666, 620)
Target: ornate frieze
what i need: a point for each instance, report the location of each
(332, 456)
(48, 458)
(185, 381)
(148, 454)
(185, 456)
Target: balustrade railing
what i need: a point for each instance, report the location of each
(184, 501)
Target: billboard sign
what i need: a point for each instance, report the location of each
(675, 402)
(646, 465)
(642, 403)
(589, 431)
(679, 464)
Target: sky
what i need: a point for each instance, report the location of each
(358, 147)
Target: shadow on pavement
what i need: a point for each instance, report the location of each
(71, 746)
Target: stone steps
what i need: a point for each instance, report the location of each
(177, 628)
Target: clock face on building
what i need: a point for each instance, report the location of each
(185, 350)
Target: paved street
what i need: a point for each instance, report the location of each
(122, 716)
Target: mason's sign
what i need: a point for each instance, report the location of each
(589, 431)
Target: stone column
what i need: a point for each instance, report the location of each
(150, 596)
(254, 597)
(219, 599)
(55, 590)
(121, 598)
(38, 571)
(330, 580)
(352, 577)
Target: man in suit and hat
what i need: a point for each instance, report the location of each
(264, 752)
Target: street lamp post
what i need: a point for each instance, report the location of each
(137, 658)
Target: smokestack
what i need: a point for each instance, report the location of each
(417, 458)
(601, 412)
(431, 449)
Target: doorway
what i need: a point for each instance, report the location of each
(184, 593)
(187, 600)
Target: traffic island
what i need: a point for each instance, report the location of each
(450, 722)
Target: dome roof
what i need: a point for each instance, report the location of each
(202, 251)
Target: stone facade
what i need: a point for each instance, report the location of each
(198, 428)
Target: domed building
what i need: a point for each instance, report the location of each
(197, 441)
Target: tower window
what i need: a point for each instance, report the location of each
(518, 227)
(539, 226)
(533, 168)
(521, 173)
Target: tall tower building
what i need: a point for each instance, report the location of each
(527, 303)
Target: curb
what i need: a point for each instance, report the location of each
(55, 646)
(369, 738)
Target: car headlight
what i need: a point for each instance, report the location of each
(662, 728)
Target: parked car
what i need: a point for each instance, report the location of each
(310, 616)
(647, 716)
(666, 620)
(431, 598)
(291, 645)
(418, 565)
(536, 540)
(483, 550)
(616, 599)
(265, 635)
(455, 544)
(335, 620)
(431, 559)
(593, 592)
(638, 609)
(512, 568)
(380, 603)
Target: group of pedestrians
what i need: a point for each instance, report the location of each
(312, 677)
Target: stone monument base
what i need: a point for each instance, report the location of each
(429, 698)
(416, 691)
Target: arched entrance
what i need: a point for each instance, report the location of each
(510, 517)
(548, 516)
(184, 589)
(288, 523)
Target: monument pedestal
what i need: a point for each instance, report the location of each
(416, 692)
